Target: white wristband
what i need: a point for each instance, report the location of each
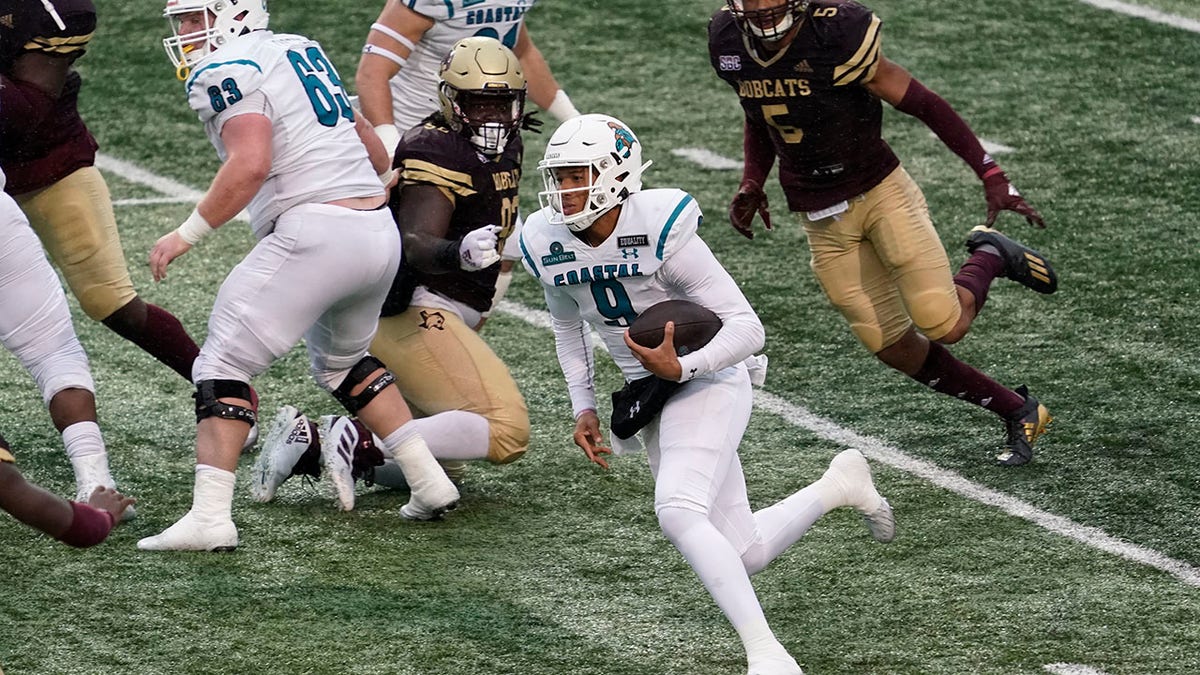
(561, 107)
(390, 135)
(387, 176)
(194, 228)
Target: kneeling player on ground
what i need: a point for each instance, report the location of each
(455, 204)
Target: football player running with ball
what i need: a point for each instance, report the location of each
(810, 76)
(307, 171)
(605, 251)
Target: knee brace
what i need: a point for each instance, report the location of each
(356, 376)
(207, 405)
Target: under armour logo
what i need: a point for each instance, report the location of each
(635, 408)
(628, 253)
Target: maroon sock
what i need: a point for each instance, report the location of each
(164, 338)
(946, 374)
(977, 273)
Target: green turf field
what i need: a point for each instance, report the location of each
(552, 566)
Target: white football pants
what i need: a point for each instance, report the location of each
(322, 274)
(35, 323)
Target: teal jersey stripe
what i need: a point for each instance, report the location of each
(662, 239)
(528, 258)
(246, 62)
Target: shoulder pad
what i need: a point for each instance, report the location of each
(433, 155)
(852, 33)
(438, 10)
(224, 78)
(674, 216)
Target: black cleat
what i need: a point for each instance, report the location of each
(1021, 263)
(1023, 427)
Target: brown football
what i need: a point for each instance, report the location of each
(694, 325)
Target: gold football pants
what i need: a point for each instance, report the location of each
(441, 364)
(883, 266)
(74, 219)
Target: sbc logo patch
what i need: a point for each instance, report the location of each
(729, 62)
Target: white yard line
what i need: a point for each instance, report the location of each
(1071, 669)
(706, 158)
(827, 429)
(881, 452)
(143, 201)
(1147, 13)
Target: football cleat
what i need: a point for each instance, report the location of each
(92, 472)
(190, 534)
(1023, 428)
(339, 437)
(1021, 263)
(292, 447)
(849, 471)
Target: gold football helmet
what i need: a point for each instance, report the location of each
(482, 92)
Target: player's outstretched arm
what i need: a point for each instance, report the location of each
(898, 87)
(79, 525)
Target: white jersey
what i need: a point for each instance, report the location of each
(415, 87)
(317, 154)
(654, 254)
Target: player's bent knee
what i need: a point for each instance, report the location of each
(509, 440)
(870, 335)
(362, 373)
(208, 403)
(677, 519)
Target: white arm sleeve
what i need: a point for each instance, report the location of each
(573, 343)
(696, 272)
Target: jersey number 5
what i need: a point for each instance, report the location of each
(777, 116)
(323, 86)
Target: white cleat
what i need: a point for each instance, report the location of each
(290, 436)
(92, 472)
(851, 473)
(189, 534)
(339, 438)
(782, 664)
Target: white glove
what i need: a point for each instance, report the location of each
(478, 248)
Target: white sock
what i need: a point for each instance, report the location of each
(212, 497)
(455, 434)
(412, 455)
(759, 640)
(83, 439)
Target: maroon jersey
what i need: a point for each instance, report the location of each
(809, 98)
(484, 192)
(42, 138)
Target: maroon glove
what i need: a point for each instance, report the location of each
(1002, 196)
(750, 199)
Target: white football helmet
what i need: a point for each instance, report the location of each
(613, 157)
(220, 22)
(769, 24)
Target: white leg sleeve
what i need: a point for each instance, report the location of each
(35, 324)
